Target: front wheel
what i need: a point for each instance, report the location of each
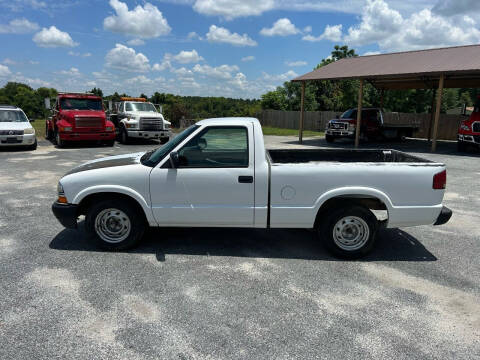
(329, 138)
(58, 140)
(164, 140)
(110, 143)
(115, 224)
(461, 147)
(349, 232)
(124, 136)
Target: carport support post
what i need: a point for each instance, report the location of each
(437, 112)
(302, 114)
(359, 114)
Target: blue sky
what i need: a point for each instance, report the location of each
(236, 48)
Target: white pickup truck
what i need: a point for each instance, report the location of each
(217, 173)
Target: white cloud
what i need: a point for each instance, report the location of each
(124, 58)
(193, 35)
(295, 63)
(248, 58)
(52, 37)
(282, 27)
(368, 53)
(73, 71)
(222, 35)
(141, 79)
(182, 72)
(8, 61)
(163, 66)
(382, 25)
(219, 72)
(4, 70)
(18, 26)
(455, 7)
(230, 9)
(73, 53)
(289, 75)
(332, 33)
(240, 81)
(143, 22)
(136, 42)
(185, 57)
(307, 29)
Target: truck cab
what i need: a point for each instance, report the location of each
(138, 118)
(469, 130)
(79, 117)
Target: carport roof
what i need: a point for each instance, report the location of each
(408, 70)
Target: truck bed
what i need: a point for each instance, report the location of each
(342, 155)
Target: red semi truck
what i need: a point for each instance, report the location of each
(79, 117)
(469, 130)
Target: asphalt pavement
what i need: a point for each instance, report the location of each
(233, 294)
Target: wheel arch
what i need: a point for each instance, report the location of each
(370, 198)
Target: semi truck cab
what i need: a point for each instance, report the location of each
(79, 117)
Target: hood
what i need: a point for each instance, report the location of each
(85, 113)
(4, 125)
(146, 114)
(110, 161)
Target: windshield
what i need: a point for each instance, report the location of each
(81, 104)
(349, 114)
(153, 157)
(12, 116)
(140, 106)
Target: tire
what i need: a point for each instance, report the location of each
(125, 228)
(33, 147)
(349, 232)
(124, 136)
(60, 143)
(461, 146)
(110, 143)
(329, 138)
(164, 140)
(48, 135)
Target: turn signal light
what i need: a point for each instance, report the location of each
(440, 180)
(62, 200)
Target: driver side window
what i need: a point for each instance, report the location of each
(216, 147)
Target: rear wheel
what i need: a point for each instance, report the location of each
(115, 224)
(329, 138)
(349, 232)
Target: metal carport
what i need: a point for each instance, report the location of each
(452, 67)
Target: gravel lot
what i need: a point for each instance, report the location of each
(242, 294)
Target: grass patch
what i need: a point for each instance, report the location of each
(39, 126)
(267, 130)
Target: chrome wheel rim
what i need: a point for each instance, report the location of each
(351, 233)
(112, 225)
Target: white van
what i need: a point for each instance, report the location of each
(15, 128)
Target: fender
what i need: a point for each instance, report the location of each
(353, 191)
(121, 190)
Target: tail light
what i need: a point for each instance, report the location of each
(440, 180)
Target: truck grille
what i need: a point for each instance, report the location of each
(11, 132)
(151, 124)
(476, 126)
(338, 125)
(88, 122)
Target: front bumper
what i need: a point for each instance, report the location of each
(101, 136)
(149, 134)
(17, 140)
(67, 214)
(340, 133)
(472, 139)
(444, 216)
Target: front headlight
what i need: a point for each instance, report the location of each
(60, 190)
(351, 126)
(109, 128)
(465, 127)
(29, 131)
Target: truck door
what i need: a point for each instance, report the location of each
(213, 184)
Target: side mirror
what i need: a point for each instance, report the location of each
(174, 160)
(202, 143)
(47, 104)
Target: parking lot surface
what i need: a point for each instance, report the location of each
(240, 294)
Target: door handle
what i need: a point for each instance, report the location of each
(245, 179)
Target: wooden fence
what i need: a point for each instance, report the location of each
(317, 120)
